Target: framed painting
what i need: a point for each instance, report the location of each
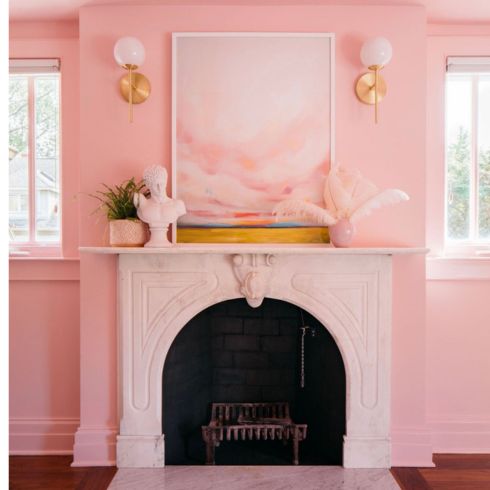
(252, 125)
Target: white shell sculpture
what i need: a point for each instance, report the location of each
(347, 195)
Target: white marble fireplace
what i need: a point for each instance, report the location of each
(347, 290)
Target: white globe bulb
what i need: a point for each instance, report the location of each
(129, 51)
(376, 51)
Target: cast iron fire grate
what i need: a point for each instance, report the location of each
(249, 421)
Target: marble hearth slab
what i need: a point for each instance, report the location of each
(253, 478)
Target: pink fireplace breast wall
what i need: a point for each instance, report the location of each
(112, 149)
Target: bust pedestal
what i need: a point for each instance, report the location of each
(158, 236)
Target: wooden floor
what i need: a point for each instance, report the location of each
(55, 473)
(452, 472)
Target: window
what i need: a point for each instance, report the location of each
(34, 153)
(468, 151)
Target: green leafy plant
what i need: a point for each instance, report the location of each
(117, 201)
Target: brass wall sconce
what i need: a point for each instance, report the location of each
(129, 53)
(370, 87)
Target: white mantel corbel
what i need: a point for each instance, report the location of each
(254, 272)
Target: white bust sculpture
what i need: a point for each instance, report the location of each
(159, 210)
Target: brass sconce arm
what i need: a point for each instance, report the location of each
(371, 88)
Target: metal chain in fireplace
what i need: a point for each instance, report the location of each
(304, 328)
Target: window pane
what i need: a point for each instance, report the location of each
(484, 157)
(458, 155)
(18, 159)
(47, 158)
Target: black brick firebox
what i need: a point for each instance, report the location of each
(231, 352)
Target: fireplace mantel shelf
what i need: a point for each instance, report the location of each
(247, 248)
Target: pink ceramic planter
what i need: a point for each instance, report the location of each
(127, 233)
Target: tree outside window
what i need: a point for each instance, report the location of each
(468, 157)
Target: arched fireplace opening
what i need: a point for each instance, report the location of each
(231, 352)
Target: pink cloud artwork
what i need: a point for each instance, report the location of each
(252, 125)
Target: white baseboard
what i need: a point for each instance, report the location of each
(41, 436)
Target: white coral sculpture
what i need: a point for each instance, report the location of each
(347, 195)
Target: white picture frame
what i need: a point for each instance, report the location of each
(197, 46)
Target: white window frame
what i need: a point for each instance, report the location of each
(33, 247)
(470, 66)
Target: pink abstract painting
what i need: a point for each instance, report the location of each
(252, 124)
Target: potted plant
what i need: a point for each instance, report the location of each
(125, 229)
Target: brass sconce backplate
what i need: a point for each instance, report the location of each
(365, 88)
(141, 87)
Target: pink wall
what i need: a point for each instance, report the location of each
(44, 358)
(458, 341)
(458, 326)
(44, 363)
(391, 153)
(44, 293)
(44, 30)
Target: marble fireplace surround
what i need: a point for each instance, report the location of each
(347, 290)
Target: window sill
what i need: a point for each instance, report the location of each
(463, 268)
